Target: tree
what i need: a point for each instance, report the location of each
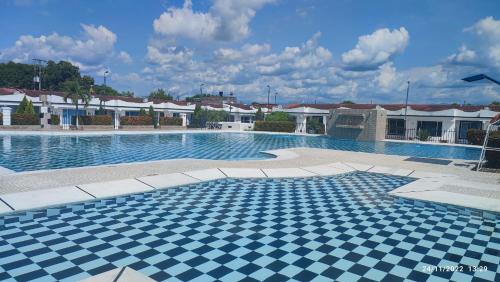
(152, 114)
(74, 92)
(22, 106)
(495, 103)
(349, 102)
(279, 116)
(56, 74)
(160, 94)
(259, 115)
(16, 75)
(142, 112)
(127, 93)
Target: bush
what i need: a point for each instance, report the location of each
(137, 120)
(97, 120)
(423, 135)
(25, 119)
(275, 126)
(315, 127)
(170, 121)
(279, 116)
(54, 119)
(476, 136)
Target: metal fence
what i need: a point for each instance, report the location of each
(443, 136)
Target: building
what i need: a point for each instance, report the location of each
(446, 123)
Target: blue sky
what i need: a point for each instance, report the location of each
(306, 50)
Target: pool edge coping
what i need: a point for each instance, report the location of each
(435, 180)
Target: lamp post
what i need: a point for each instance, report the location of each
(104, 76)
(406, 102)
(268, 94)
(201, 89)
(275, 94)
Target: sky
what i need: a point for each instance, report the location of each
(307, 51)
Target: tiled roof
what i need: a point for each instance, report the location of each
(396, 107)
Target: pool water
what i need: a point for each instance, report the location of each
(26, 153)
(342, 228)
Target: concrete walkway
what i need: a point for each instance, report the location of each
(449, 184)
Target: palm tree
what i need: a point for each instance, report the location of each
(73, 91)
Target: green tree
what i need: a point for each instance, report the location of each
(22, 106)
(142, 112)
(152, 114)
(279, 116)
(16, 75)
(87, 81)
(348, 102)
(495, 103)
(75, 92)
(160, 94)
(30, 109)
(127, 93)
(56, 74)
(259, 115)
(105, 91)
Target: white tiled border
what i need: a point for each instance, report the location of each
(426, 188)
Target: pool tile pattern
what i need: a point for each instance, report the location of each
(27, 153)
(342, 228)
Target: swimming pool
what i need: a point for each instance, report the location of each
(26, 153)
(342, 228)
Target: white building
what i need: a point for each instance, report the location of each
(443, 122)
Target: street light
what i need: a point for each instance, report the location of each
(104, 75)
(479, 77)
(268, 94)
(201, 89)
(275, 94)
(406, 102)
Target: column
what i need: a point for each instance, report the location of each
(324, 123)
(184, 118)
(117, 120)
(301, 124)
(6, 111)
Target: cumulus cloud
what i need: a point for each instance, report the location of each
(88, 52)
(463, 56)
(376, 49)
(488, 31)
(227, 20)
(125, 57)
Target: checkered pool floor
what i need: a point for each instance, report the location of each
(343, 228)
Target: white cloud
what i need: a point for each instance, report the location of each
(463, 56)
(89, 52)
(387, 76)
(125, 57)
(227, 20)
(376, 49)
(488, 31)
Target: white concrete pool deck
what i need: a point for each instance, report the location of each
(448, 184)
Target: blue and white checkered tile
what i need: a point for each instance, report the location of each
(343, 228)
(25, 153)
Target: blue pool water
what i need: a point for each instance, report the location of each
(25, 153)
(340, 228)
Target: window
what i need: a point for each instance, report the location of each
(465, 125)
(396, 126)
(434, 128)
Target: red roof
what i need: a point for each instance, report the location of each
(7, 91)
(395, 107)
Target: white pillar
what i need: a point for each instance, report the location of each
(301, 124)
(117, 119)
(6, 112)
(184, 118)
(324, 123)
